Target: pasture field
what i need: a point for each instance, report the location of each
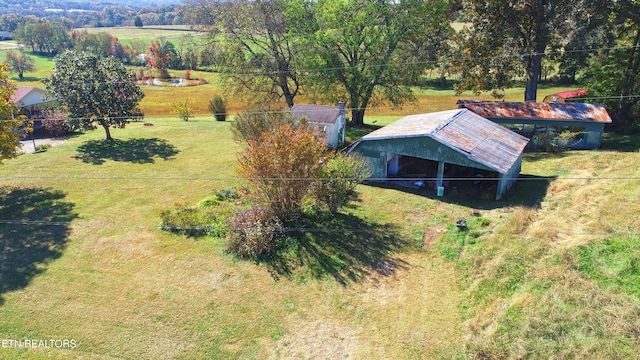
(148, 33)
(122, 288)
(550, 270)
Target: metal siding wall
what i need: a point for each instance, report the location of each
(507, 180)
(420, 147)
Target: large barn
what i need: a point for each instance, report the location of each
(448, 149)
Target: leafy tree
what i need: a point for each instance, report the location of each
(158, 59)
(95, 90)
(591, 30)
(97, 43)
(19, 63)
(508, 38)
(9, 135)
(182, 110)
(45, 37)
(281, 166)
(362, 46)
(118, 51)
(614, 74)
(175, 57)
(258, 52)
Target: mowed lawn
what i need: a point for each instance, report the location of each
(88, 262)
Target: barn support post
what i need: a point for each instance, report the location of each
(439, 180)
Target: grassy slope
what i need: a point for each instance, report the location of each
(560, 279)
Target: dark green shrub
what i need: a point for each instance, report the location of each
(218, 107)
(254, 233)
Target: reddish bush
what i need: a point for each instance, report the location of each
(254, 233)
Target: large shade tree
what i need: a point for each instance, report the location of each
(613, 76)
(508, 39)
(368, 47)
(9, 123)
(256, 52)
(19, 63)
(95, 91)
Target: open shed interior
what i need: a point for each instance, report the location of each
(457, 179)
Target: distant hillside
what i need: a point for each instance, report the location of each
(38, 7)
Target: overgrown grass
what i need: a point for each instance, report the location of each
(559, 279)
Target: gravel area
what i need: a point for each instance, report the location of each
(27, 145)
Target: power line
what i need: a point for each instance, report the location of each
(70, 224)
(378, 179)
(371, 108)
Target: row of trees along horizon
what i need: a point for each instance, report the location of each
(371, 53)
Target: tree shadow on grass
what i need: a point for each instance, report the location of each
(33, 231)
(343, 247)
(139, 151)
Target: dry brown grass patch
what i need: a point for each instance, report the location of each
(519, 220)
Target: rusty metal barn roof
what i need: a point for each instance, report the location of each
(538, 111)
(480, 139)
(320, 114)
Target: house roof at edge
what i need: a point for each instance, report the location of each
(481, 140)
(322, 114)
(23, 91)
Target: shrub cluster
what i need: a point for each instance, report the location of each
(254, 233)
(554, 142)
(339, 178)
(193, 221)
(55, 122)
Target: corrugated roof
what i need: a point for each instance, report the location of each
(538, 111)
(321, 114)
(572, 93)
(482, 140)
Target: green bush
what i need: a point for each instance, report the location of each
(254, 233)
(252, 123)
(193, 221)
(340, 176)
(218, 107)
(554, 142)
(42, 147)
